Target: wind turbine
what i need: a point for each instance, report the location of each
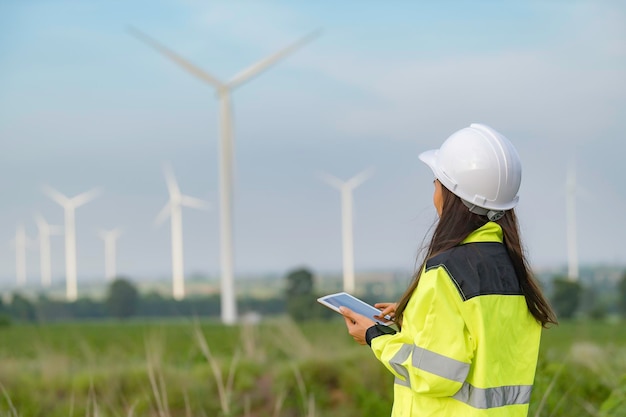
(70, 205)
(45, 231)
(572, 245)
(226, 151)
(346, 188)
(173, 210)
(109, 237)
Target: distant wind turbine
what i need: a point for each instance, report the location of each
(226, 150)
(572, 244)
(110, 237)
(173, 210)
(45, 231)
(70, 205)
(346, 187)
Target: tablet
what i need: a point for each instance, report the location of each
(343, 299)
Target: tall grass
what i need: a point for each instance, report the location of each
(12, 410)
(276, 369)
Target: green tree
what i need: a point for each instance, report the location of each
(86, 308)
(22, 308)
(300, 300)
(566, 297)
(5, 319)
(299, 282)
(49, 310)
(122, 298)
(621, 294)
(153, 304)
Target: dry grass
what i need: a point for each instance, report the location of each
(275, 370)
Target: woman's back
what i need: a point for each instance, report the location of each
(469, 345)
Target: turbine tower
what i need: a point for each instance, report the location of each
(173, 210)
(346, 188)
(69, 206)
(20, 242)
(572, 245)
(226, 151)
(110, 237)
(45, 231)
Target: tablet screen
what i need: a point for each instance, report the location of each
(335, 301)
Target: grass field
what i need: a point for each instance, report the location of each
(186, 368)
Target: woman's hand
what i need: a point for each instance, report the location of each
(357, 324)
(387, 309)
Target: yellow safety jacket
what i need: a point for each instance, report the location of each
(468, 345)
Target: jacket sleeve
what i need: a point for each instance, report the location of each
(433, 351)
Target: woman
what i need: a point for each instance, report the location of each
(470, 322)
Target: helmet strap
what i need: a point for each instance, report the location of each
(492, 215)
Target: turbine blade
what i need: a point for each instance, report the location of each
(333, 181)
(193, 202)
(182, 62)
(262, 65)
(55, 195)
(360, 178)
(170, 179)
(85, 197)
(160, 218)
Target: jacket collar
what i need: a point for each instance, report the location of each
(489, 232)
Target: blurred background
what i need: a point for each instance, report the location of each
(86, 105)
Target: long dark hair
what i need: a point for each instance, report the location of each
(455, 224)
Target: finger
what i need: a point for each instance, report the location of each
(389, 310)
(347, 317)
(346, 312)
(385, 310)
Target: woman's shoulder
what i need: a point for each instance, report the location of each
(469, 252)
(477, 269)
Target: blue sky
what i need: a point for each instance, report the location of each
(83, 104)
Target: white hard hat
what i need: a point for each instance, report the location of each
(480, 166)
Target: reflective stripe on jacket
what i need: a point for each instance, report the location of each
(468, 345)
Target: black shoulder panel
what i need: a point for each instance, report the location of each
(479, 268)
